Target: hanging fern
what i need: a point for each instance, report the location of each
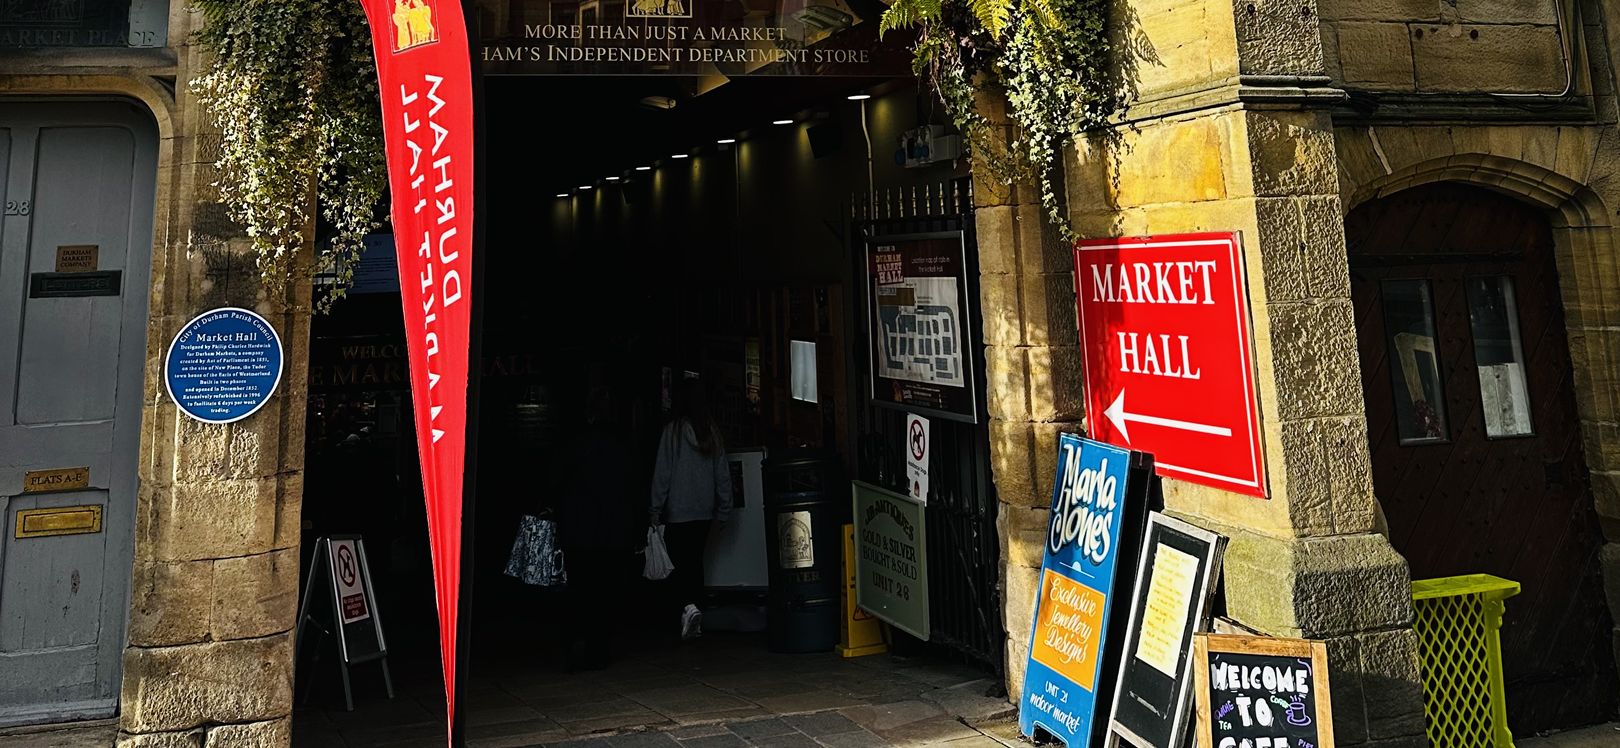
(292, 87)
(1049, 56)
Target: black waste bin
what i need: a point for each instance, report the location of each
(804, 545)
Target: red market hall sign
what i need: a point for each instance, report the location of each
(1164, 328)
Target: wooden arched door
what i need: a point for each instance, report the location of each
(1476, 446)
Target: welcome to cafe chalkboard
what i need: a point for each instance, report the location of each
(1260, 692)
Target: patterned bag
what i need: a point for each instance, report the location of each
(536, 559)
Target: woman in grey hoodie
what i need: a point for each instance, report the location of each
(691, 490)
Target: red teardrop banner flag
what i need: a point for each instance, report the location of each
(425, 74)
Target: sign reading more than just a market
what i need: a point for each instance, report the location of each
(1260, 692)
(223, 365)
(1175, 580)
(920, 323)
(1164, 329)
(891, 559)
(1094, 506)
(689, 37)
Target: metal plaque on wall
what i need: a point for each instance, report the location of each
(690, 37)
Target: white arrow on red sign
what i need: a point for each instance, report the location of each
(1120, 417)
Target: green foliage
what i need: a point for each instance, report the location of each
(1049, 56)
(292, 87)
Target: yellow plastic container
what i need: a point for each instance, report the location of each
(1459, 621)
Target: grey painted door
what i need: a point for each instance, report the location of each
(71, 377)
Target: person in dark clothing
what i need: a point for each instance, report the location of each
(691, 491)
(594, 535)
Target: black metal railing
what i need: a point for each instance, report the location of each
(964, 549)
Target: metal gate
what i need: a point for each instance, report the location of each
(964, 557)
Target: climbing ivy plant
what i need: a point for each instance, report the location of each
(1048, 56)
(292, 87)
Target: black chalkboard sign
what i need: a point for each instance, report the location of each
(1260, 692)
(1174, 580)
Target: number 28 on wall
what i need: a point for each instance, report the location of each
(18, 208)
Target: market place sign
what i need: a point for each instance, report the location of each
(1164, 327)
(689, 37)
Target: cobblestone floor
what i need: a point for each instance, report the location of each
(722, 691)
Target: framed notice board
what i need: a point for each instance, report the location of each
(1262, 692)
(920, 323)
(1174, 580)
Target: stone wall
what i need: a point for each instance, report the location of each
(209, 661)
(1235, 135)
(215, 597)
(1445, 46)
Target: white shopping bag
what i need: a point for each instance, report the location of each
(658, 563)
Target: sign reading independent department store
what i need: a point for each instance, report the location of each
(689, 37)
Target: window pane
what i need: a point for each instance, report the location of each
(1414, 361)
(1494, 316)
(803, 374)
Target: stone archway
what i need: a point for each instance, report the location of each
(1589, 281)
(1584, 251)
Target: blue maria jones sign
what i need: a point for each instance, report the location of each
(1066, 647)
(224, 365)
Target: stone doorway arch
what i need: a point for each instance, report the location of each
(1575, 231)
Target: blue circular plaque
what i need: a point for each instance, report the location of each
(224, 365)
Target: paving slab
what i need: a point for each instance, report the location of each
(804, 703)
(857, 739)
(535, 731)
(643, 740)
(971, 701)
(699, 731)
(727, 740)
(758, 729)
(883, 717)
(822, 724)
(1600, 736)
(941, 729)
(791, 740)
(479, 717)
(638, 718)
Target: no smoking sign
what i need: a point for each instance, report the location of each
(1164, 327)
(917, 457)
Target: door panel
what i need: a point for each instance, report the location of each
(1514, 504)
(69, 368)
(51, 596)
(71, 371)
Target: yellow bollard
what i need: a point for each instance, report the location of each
(862, 632)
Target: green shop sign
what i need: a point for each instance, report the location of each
(891, 558)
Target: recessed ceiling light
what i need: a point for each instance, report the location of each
(860, 97)
(783, 122)
(643, 168)
(563, 195)
(726, 141)
(612, 179)
(680, 155)
(584, 186)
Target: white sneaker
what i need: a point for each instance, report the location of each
(691, 622)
